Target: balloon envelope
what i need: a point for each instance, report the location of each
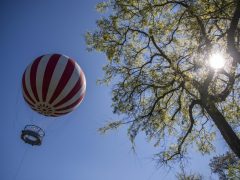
(53, 85)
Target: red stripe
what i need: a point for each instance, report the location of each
(73, 104)
(29, 103)
(34, 108)
(59, 114)
(33, 77)
(53, 115)
(75, 89)
(49, 115)
(48, 74)
(68, 71)
(25, 89)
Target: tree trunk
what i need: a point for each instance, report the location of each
(226, 130)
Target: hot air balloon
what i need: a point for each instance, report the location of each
(52, 85)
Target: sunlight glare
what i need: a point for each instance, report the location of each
(217, 61)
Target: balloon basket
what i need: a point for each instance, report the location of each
(33, 135)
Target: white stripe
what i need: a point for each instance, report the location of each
(69, 86)
(75, 97)
(28, 83)
(40, 73)
(26, 97)
(69, 110)
(57, 74)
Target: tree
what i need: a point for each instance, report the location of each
(158, 60)
(183, 175)
(227, 166)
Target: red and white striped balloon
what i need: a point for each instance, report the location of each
(53, 85)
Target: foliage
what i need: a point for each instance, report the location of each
(183, 175)
(158, 53)
(227, 166)
(180, 176)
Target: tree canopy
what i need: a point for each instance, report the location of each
(158, 61)
(227, 166)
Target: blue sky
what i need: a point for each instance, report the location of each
(72, 148)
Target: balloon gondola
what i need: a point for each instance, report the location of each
(52, 85)
(32, 134)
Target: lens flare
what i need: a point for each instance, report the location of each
(217, 61)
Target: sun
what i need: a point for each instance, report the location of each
(217, 61)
